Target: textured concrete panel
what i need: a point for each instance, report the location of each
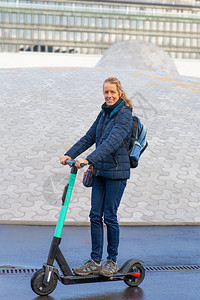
(44, 110)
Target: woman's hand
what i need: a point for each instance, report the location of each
(64, 158)
(81, 161)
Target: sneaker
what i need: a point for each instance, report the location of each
(90, 267)
(109, 269)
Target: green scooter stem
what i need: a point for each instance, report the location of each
(65, 205)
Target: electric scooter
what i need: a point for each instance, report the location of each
(44, 281)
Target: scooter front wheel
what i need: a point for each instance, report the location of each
(135, 275)
(37, 283)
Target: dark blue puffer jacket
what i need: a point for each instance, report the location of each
(110, 158)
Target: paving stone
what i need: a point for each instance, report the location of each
(56, 106)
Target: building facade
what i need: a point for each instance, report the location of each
(90, 27)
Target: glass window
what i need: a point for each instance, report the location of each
(187, 27)
(71, 21)
(78, 21)
(173, 41)
(14, 48)
(6, 32)
(35, 19)
(127, 23)
(85, 36)
(180, 42)
(99, 22)
(154, 25)
(35, 34)
(120, 23)
(160, 40)
(14, 33)
(0, 33)
(187, 42)
(133, 24)
(92, 22)
(21, 33)
(167, 26)
(161, 26)
(14, 18)
(174, 26)
(106, 37)
(194, 42)
(194, 27)
(85, 21)
(180, 27)
(113, 23)
(28, 34)
(6, 17)
(64, 20)
(99, 37)
(28, 18)
(42, 35)
(78, 36)
(166, 40)
(112, 38)
(0, 17)
(71, 35)
(106, 22)
(64, 36)
(21, 18)
(50, 19)
(57, 20)
(49, 35)
(92, 37)
(43, 19)
(147, 25)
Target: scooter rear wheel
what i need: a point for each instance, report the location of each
(137, 276)
(37, 283)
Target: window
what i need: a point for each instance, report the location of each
(42, 35)
(180, 27)
(71, 35)
(49, 35)
(167, 26)
(78, 21)
(78, 36)
(35, 19)
(85, 21)
(6, 17)
(57, 35)
(106, 38)
(28, 34)
(99, 37)
(14, 33)
(43, 19)
(194, 27)
(35, 34)
(21, 33)
(154, 25)
(106, 22)
(21, 18)
(92, 22)
(85, 36)
(0, 17)
(71, 21)
(14, 18)
(6, 32)
(113, 23)
(161, 26)
(92, 37)
(50, 19)
(64, 20)
(174, 26)
(112, 38)
(28, 18)
(187, 27)
(57, 20)
(120, 23)
(127, 23)
(99, 22)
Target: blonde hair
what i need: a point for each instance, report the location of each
(114, 80)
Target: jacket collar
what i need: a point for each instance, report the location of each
(114, 109)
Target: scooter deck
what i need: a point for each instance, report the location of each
(76, 279)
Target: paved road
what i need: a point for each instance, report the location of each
(28, 246)
(44, 110)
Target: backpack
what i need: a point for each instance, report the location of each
(138, 141)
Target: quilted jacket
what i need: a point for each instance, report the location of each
(110, 158)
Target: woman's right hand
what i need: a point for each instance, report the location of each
(64, 158)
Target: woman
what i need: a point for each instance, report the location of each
(111, 170)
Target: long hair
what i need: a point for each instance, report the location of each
(114, 80)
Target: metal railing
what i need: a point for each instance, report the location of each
(115, 10)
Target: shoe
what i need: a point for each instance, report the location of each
(109, 269)
(90, 267)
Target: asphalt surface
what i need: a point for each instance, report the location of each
(27, 246)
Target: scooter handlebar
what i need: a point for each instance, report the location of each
(71, 163)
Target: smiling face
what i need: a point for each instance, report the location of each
(111, 93)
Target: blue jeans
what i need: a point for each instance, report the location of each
(106, 197)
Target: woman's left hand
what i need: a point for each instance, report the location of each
(81, 161)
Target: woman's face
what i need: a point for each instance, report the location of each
(111, 93)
